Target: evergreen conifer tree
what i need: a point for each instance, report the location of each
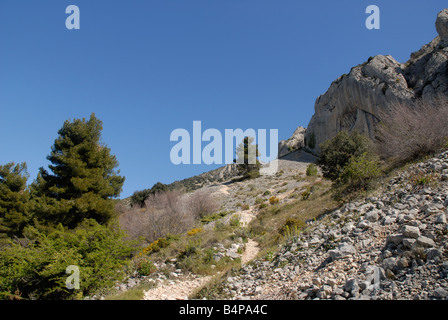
(14, 197)
(247, 158)
(83, 180)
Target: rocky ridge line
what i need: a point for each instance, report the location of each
(362, 98)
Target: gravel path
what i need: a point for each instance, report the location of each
(251, 251)
(176, 290)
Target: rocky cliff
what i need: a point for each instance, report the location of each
(359, 99)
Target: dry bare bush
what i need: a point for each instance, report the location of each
(131, 222)
(169, 212)
(412, 130)
(201, 204)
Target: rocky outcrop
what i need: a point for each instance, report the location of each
(295, 142)
(442, 25)
(360, 99)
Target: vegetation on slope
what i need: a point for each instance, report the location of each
(69, 217)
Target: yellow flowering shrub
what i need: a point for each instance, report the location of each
(192, 232)
(273, 200)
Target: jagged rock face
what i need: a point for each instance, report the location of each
(360, 99)
(427, 71)
(442, 25)
(354, 101)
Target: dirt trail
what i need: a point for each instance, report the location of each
(252, 248)
(182, 289)
(251, 251)
(246, 216)
(224, 190)
(176, 290)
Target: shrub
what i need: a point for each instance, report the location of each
(191, 248)
(156, 245)
(208, 255)
(291, 224)
(306, 194)
(192, 232)
(235, 221)
(337, 152)
(165, 213)
(410, 131)
(419, 179)
(360, 172)
(245, 207)
(139, 197)
(253, 174)
(165, 242)
(38, 270)
(273, 200)
(269, 256)
(215, 216)
(219, 226)
(311, 170)
(201, 204)
(311, 141)
(145, 267)
(292, 233)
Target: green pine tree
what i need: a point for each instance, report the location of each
(83, 181)
(247, 158)
(14, 199)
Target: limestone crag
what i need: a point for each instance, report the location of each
(360, 99)
(442, 25)
(295, 142)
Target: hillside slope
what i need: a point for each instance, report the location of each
(393, 245)
(228, 237)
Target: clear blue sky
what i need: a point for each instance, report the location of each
(146, 68)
